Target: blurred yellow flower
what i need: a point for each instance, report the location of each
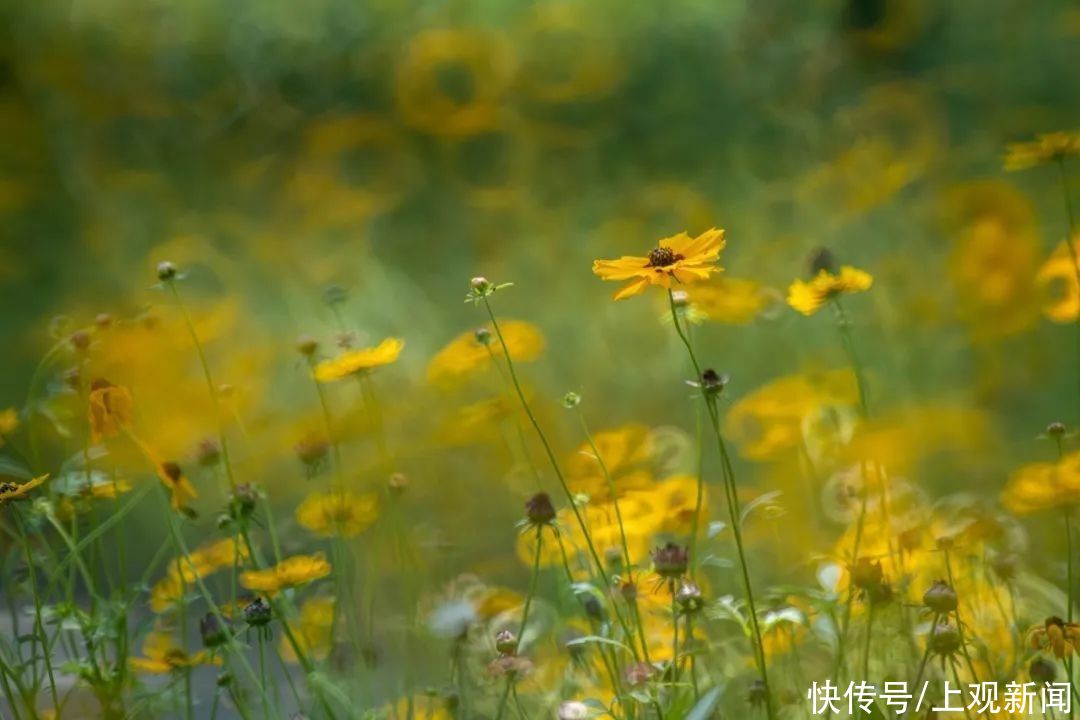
(290, 572)
(808, 296)
(314, 632)
(1059, 637)
(485, 64)
(1060, 270)
(419, 707)
(728, 300)
(1044, 486)
(352, 362)
(770, 420)
(175, 481)
(1045, 148)
(14, 491)
(627, 453)
(679, 258)
(111, 408)
(183, 573)
(9, 420)
(338, 512)
(161, 655)
(472, 351)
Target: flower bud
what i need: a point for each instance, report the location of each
(1042, 670)
(539, 510)
(213, 631)
(258, 613)
(506, 642)
(482, 336)
(571, 400)
(689, 598)
(306, 345)
(819, 259)
(166, 271)
(940, 597)
(480, 285)
(1055, 429)
(671, 561)
(944, 639)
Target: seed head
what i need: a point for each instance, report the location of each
(671, 561)
(214, 632)
(944, 639)
(571, 400)
(258, 613)
(689, 598)
(482, 336)
(1055, 429)
(506, 642)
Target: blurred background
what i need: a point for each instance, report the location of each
(393, 150)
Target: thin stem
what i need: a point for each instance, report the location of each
(1075, 262)
(222, 440)
(733, 507)
(558, 472)
(524, 618)
(866, 644)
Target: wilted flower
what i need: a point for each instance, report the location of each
(1056, 636)
(13, 491)
(539, 510)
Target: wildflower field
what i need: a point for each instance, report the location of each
(475, 360)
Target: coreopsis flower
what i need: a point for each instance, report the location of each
(362, 360)
(1045, 148)
(15, 491)
(314, 632)
(807, 296)
(180, 488)
(161, 655)
(1056, 636)
(290, 572)
(472, 351)
(184, 572)
(676, 259)
(110, 409)
(338, 512)
(1044, 486)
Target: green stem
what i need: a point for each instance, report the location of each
(733, 507)
(558, 472)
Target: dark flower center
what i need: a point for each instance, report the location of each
(8, 487)
(663, 257)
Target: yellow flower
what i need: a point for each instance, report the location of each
(338, 512)
(290, 572)
(772, 419)
(1044, 486)
(731, 301)
(423, 707)
(627, 454)
(183, 573)
(680, 258)
(180, 488)
(314, 633)
(1061, 270)
(1057, 636)
(163, 655)
(356, 361)
(13, 491)
(1047, 147)
(472, 351)
(9, 420)
(807, 297)
(110, 410)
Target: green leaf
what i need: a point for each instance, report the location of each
(705, 706)
(597, 639)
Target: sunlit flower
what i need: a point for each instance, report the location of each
(1044, 486)
(728, 300)
(808, 296)
(1056, 636)
(678, 259)
(175, 481)
(14, 491)
(472, 351)
(162, 655)
(110, 410)
(290, 572)
(1045, 148)
(352, 362)
(338, 512)
(314, 632)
